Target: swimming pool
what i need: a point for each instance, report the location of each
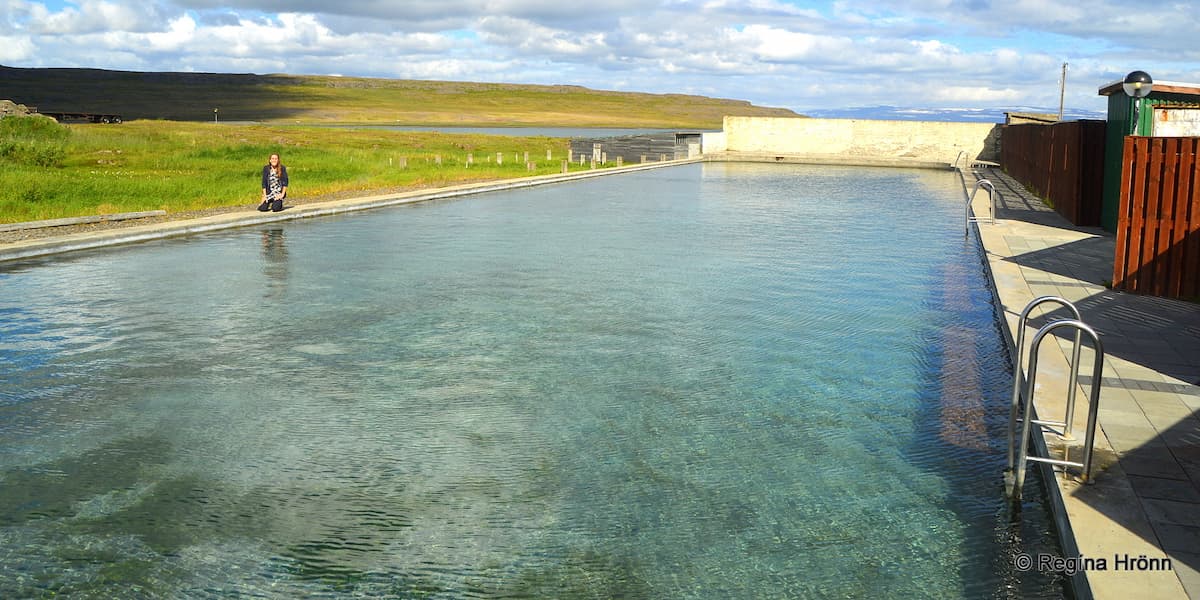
(707, 381)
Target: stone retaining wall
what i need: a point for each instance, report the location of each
(848, 141)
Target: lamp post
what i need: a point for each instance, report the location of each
(1137, 85)
(215, 115)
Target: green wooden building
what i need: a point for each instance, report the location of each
(1171, 109)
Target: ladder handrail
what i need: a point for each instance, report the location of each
(1093, 406)
(992, 193)
(1019, 375)
(961, 154)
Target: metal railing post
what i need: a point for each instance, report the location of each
(1018, 374)
(991, 190)
(1023, 457)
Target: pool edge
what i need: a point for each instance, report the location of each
(1088, 527)
(21, 250)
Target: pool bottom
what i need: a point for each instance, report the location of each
(525, 395)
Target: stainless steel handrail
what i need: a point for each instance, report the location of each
(992, 193)
(1019, 375)
(1017, 471)
(962, 164)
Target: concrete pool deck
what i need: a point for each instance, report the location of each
(1145, 499)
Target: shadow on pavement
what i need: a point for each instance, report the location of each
(1151, 414)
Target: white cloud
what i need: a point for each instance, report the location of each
(15, 49)
(92, 16)
(774, 44)
(529, 38)
(767, 51)
(179, 35)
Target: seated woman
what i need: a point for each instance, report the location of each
(274, 185)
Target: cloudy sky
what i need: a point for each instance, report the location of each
(800, 54)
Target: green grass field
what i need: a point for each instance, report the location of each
(170, 155)
(52, 171)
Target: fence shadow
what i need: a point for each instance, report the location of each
(1158, 443)
(1159, 334)
(1158, 446)
(1018, 204)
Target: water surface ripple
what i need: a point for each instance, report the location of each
(709, 381)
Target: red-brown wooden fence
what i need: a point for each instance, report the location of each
(1158, 226)
(1063, 163)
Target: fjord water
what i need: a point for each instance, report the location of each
(707, 381)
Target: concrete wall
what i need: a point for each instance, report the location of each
(1176, 122)
(713, 141)
(856, 141)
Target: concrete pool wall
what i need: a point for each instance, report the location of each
(851, 141)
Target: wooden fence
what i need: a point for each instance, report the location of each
(1158, 226)
(1063, 163)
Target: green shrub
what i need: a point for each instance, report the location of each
(33, 154)
(35, 127)
(34, 141)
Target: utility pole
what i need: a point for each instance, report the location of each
(1062, 91)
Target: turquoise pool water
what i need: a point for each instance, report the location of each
(707, 381)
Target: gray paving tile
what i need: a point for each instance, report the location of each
(1184, 433)
(1123, 417)
(1169, 420)
(1192, 402)
(1173, 512)
(1156, 464)
(1165, 489)
(1126, 439)
(1179, 538)
(1187, 567)
(1161, 401)
(1187, 454)
(1193, 473)
(1150, 395)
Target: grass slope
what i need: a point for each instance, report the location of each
(50, 171)
(320, 99)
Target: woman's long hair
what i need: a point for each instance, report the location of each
(276, 169)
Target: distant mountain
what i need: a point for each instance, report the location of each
(969, 115)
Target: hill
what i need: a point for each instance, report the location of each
(326, 99)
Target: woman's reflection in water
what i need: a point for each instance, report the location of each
(275, 262)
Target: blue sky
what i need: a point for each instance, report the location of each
(807, 56)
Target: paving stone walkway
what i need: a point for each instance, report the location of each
(1146, 496)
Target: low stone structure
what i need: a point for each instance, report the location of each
(9, 108)
(853, 141)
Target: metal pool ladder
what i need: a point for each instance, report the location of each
(1018, 449)
(992, 193)
(991, 190)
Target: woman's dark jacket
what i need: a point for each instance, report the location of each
(282, 176)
